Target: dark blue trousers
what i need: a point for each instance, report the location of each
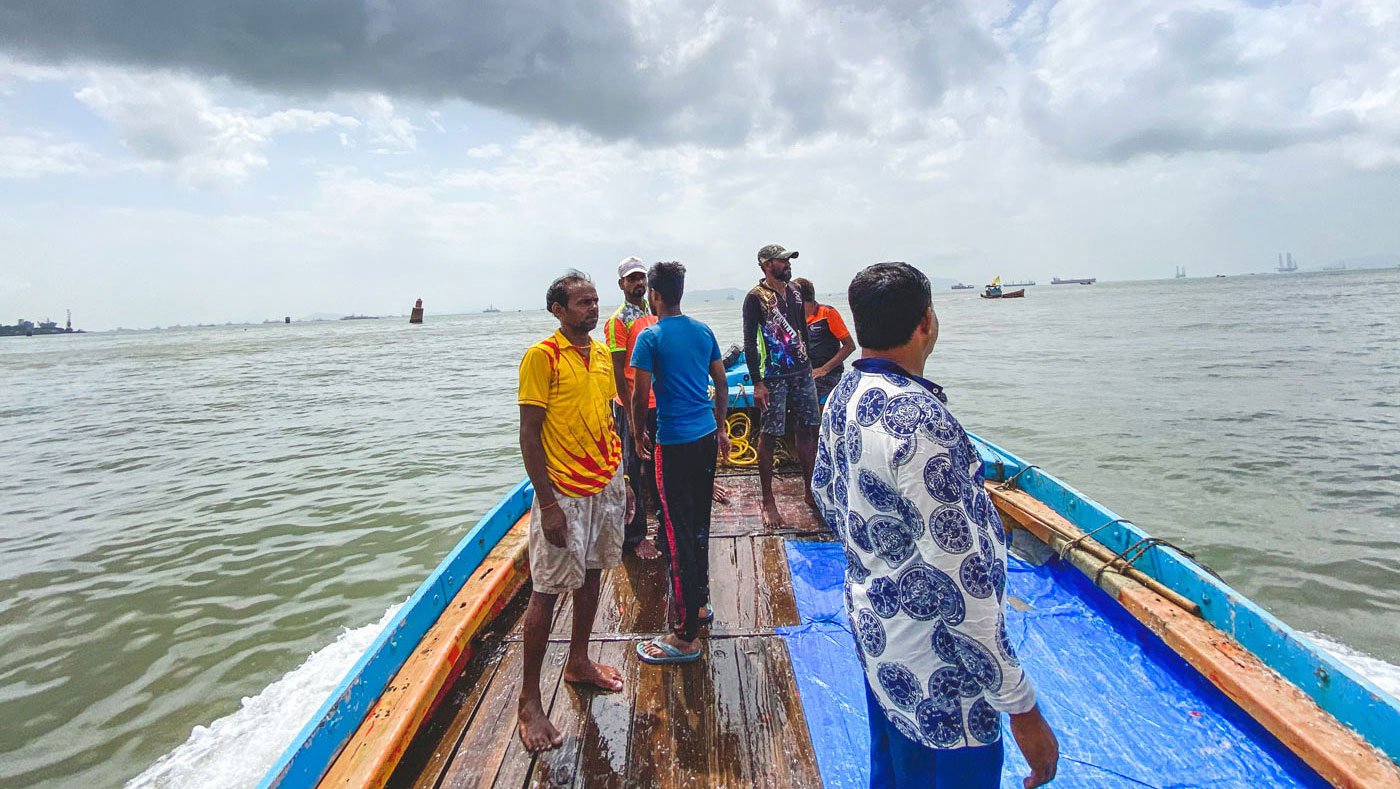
(897, 762)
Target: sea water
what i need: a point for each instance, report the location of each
(201, 529)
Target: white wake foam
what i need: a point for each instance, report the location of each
(237, 749)
(1383, 675)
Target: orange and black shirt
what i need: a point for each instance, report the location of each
(825, 331)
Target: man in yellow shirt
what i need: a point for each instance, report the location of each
(572, 454)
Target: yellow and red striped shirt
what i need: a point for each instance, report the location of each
(581, 448)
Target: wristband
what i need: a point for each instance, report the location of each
(554, 503)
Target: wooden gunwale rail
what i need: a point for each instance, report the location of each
(376, 747)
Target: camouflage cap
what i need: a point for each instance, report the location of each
(775, 252)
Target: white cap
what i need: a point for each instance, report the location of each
(630, 265)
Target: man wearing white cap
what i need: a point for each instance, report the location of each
(632, 281)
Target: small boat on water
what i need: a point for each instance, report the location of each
(1152, 669)
(491, 308)
(1006, 294)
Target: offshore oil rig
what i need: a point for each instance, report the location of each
(1286, 264)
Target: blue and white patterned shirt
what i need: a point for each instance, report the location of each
(898, 480)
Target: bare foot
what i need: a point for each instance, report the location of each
(646, 550)
(604, 678)
(688, 647)
(536, 732)
(720, 495)
(771, 518)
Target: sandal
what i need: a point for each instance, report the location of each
(708, 616)
(672, 654)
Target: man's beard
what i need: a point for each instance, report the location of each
(639, 293)
(783, 274)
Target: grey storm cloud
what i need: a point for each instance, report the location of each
(709, 75)
(1197, 89)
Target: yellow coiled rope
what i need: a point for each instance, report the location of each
(741, 452)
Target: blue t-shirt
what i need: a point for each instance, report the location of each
(677, 351)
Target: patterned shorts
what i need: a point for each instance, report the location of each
(795, 392)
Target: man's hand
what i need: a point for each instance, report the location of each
(820, 371)
(723, 444)
(630, 508)
(555, 525)
(1037, 744)
(760, 395)
(642, 446)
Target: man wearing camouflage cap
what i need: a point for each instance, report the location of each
(775, 348)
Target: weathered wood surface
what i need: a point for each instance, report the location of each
(1338, 754)
(733, 718)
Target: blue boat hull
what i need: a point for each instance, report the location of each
(1338, 690)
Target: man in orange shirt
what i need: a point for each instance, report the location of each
(828, 340)
(632, 281)
(645, 489)
(573, 456)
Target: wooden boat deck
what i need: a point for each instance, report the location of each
(734, 718)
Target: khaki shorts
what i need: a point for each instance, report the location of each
(594, 538)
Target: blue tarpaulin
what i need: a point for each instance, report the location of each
(1128, 711)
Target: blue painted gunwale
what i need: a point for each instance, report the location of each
(320, 740)
(1346, 695)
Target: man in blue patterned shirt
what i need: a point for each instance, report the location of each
(900, 483)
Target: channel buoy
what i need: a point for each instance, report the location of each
(417, 315)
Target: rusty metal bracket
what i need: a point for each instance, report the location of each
(1010, 484)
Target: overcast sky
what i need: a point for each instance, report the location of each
(179, 161)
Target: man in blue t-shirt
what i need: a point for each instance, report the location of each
(680, 357)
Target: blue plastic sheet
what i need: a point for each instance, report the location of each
(1127, 710)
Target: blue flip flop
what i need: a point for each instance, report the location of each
(707, 618)
(672, 655)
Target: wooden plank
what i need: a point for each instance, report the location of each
(688, 725)
(780, 745)
(790, 491)
(777, 607)
(1336, 752)
(726, 584)
(605, 741)
(747, 606)
(369, 758)
(639, 594)
(516, 762)
(610, 601)
(424, 773)
(479, 754)
(730, 761)
(649, 745)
